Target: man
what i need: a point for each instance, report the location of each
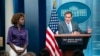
(70, 27)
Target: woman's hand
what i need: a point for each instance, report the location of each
(19, 52)
(23, 51)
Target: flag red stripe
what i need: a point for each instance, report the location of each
(52, 37)
(58, 50)
(48, 33)
(50, 45)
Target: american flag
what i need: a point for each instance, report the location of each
(51, 42)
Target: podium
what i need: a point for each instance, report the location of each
(71, 42)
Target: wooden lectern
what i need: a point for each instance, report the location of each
(70, 42)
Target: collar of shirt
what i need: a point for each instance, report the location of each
(22, 27)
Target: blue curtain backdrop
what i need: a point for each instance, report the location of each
(42, 23)
(2, 22)
(96, 28)
(18, 6)
(32, 24)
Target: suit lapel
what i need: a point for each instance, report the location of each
(73, 26)
(65, 27)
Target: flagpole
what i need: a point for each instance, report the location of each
(54, 3)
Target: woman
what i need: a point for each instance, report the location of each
(17, 35)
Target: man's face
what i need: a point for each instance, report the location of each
(68, 17)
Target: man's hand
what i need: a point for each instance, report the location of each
(89, 30)
(75, 32)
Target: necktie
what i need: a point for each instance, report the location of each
(69, 28)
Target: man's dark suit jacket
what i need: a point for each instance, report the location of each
(63, 29)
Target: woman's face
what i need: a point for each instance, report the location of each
(21, 21)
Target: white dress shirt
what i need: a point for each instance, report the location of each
(69, 25)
